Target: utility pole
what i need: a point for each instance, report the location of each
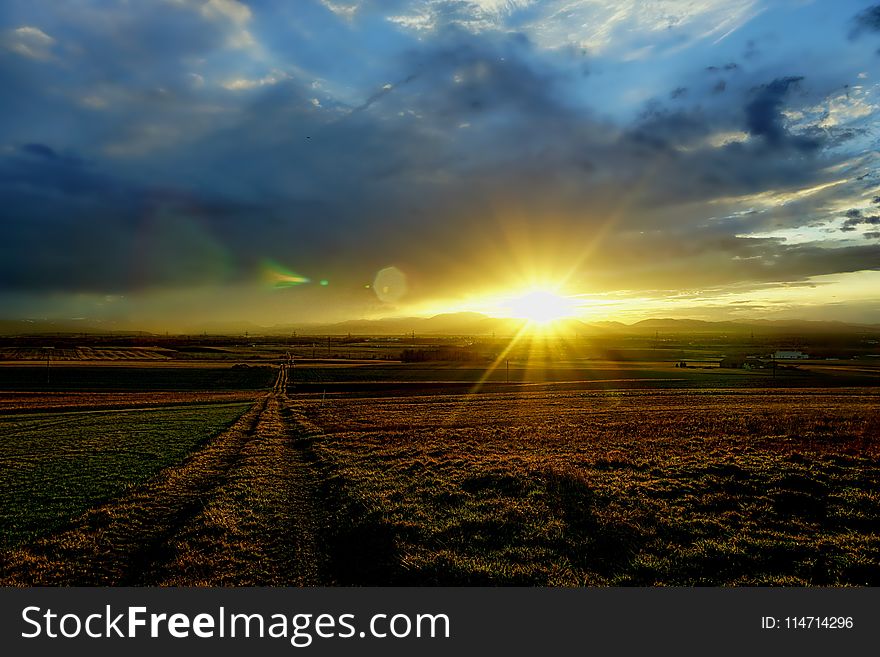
(48, 357)
(508, 369)
(328, 346)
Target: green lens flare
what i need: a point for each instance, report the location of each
(278, 277)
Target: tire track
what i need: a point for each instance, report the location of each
(243, 510)
(108, 544)
(263, 525)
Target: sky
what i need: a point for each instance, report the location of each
(167, 164)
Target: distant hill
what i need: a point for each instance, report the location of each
(464, 323)
(226, 328)
(66, 327)
(679, 323)
(761, 326)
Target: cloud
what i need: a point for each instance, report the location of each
(603, 26)
(232, 10)
(40, 150)
(466, 155)
(239, 84)
(236, 15)
(764, 117)
(30, 42)
(471, 15)
(341, 9)
(855, 218)
(867, 20)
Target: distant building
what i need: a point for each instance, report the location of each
(789, 355)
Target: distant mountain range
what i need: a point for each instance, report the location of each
(477, 324)
(465, 323)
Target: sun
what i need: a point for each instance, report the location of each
(541, 307)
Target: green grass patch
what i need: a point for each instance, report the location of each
(141, 378)
(55, 466)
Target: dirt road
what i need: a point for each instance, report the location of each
(242, 510)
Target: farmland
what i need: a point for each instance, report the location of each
(627, 488)
(252, 469)
(133, 378)
(55, 466)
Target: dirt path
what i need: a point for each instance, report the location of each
(243, 510)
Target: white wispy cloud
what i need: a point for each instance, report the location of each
(233, 12)
(599, 25)
(473, 15)
(30, 42)
(240, 84)
(345, 10)
(596, 25)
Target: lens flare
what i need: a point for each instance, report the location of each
(278, 277)
(390, 285)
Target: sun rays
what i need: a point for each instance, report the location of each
(541, 307)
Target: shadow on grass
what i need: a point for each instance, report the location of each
(359, 544)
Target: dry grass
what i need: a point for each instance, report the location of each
(241, 510)
(112, 543)
(260, 526)
(85, 353)
(534, 488)
(676, 487)
(36, 402)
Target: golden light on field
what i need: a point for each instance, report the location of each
(541, 315)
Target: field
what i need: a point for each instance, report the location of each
(56, 466)
(252, 469)
(140, 377)
(63, 402)
(629, 488)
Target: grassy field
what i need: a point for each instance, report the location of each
(65, 402)
(347, 473)
(136, 378)
(56, 466)
(378, 379)
(629, 488)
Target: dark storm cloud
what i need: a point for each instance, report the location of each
(40, 150)
(867, 21)
(764, 116)
(722, 260)
(465, 77)
(39, 168)
(855, 218)
(429, 165)
(730, 66)
(73, 226)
